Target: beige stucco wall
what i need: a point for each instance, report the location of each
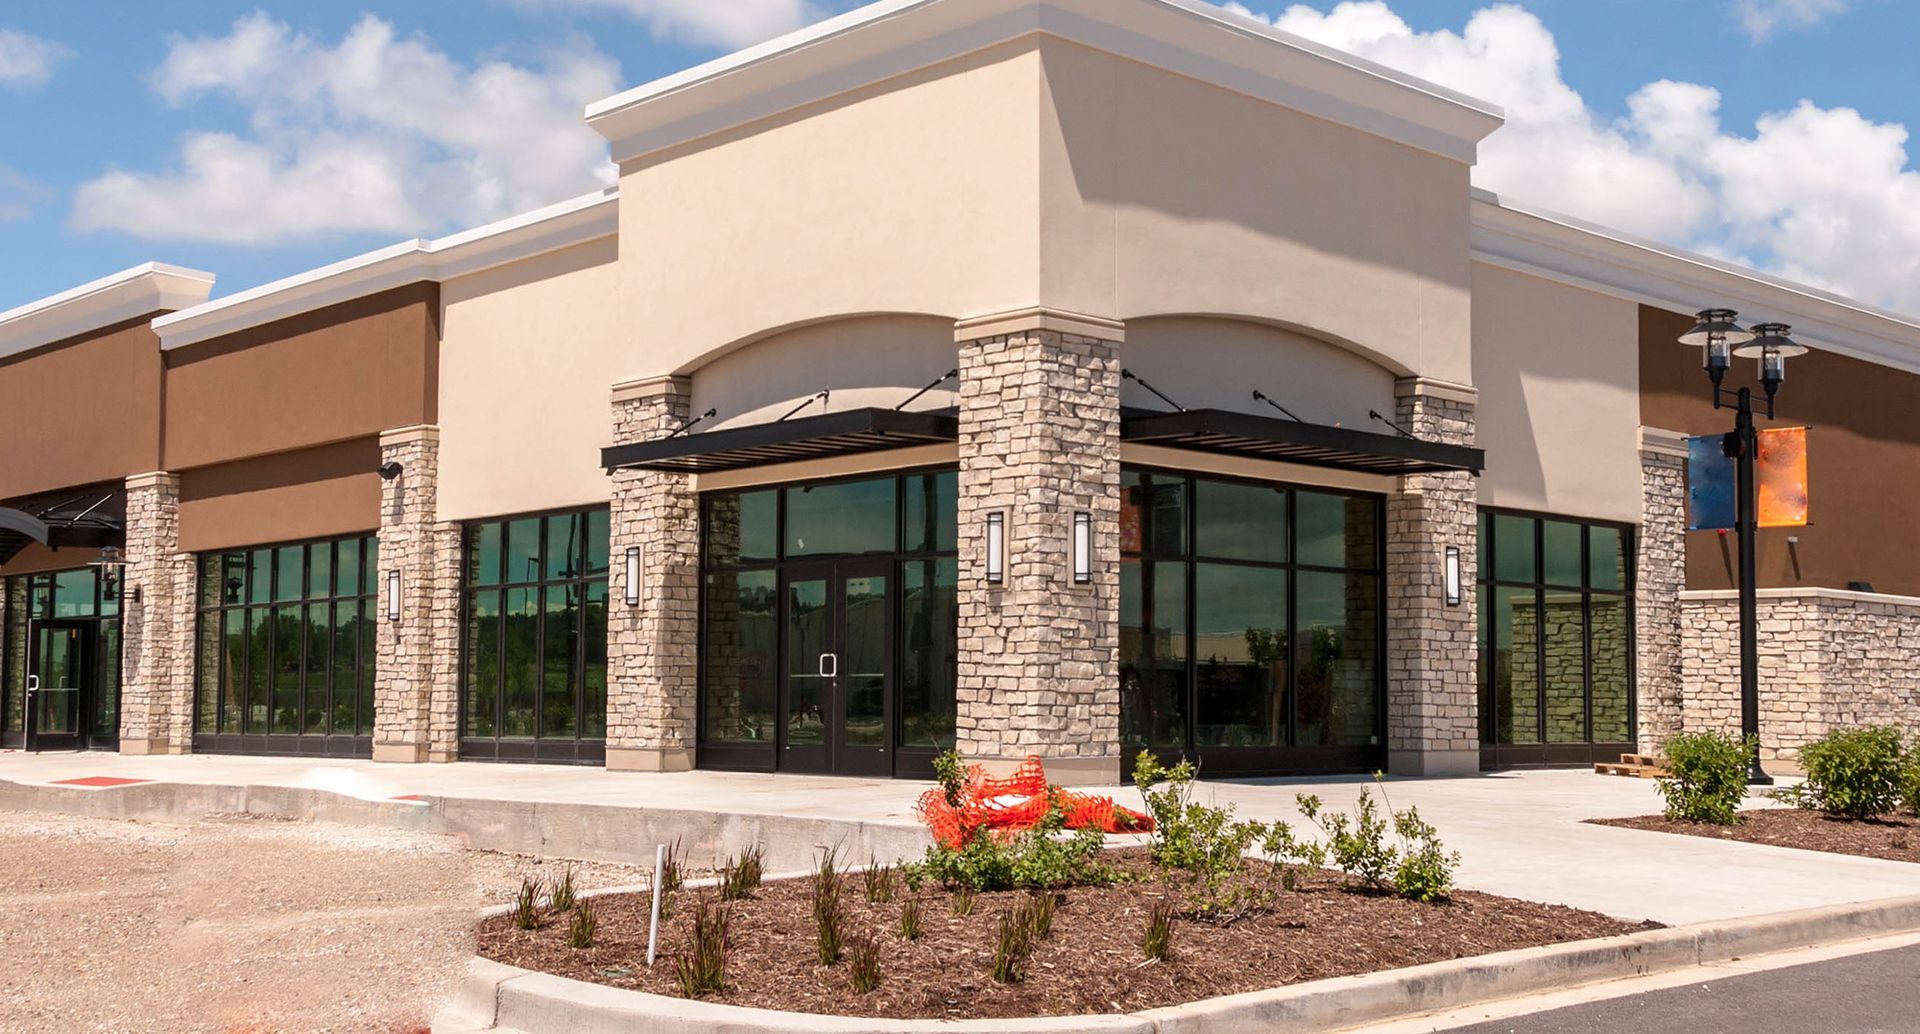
(1208, 363)
(918, 195)
(1559, 379)
(1165, 195)
(877, 361)
(526, 365)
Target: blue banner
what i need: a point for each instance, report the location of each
(1710, 484)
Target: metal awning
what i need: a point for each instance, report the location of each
(806, 438)
(89, 519)
(1290, 441)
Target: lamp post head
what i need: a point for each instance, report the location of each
(1772, 347)
(1717, 332)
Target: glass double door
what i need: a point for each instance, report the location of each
(836, 693)
(59, 680)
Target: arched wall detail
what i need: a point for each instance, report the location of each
(1217, 362)
(863, 360)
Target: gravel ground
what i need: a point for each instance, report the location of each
(241, 925)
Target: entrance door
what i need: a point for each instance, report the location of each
(59, 670)
(837, 693)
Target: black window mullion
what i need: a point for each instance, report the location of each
(1290, 681)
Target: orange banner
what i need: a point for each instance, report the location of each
(1781, 467)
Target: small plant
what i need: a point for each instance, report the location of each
(826, 909)
(580, 931)
(1418, 867)
(670, 875)
(742, 875)
(910, 919)
(1709, 777)
(863, 962)
(1910, 778)
(560, 893)
(951, 773)
(1285, 853)
(1158, 940)
(962, 900)
(1854, 774)
(526, 907)
(1357, 843)
(703, 969)
(1425, 870)
(1013, 945)
(1039, 911)
(879, 881)
(1038, 857)
(1201, 847)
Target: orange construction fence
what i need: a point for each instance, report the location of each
(1007, 806)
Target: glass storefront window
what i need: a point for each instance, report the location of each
(284, 647)
(1556, 637)
(844, 519)
(929, 653)
(1262, 639)
(78, 594)
(534, 638)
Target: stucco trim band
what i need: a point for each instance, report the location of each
(1801, 593)
(1662, 442)
(1039, 318)
(409, 435)
(1430, 387)
(652, 387)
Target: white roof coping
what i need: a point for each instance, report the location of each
(1189, 37)
(1533, 240)
(140, 291)
(575, 221)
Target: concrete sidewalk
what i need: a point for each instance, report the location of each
(1521, 834)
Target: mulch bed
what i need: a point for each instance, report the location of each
(1092, 963)
(1894, 838)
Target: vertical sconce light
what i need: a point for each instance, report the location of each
(1082, 548)
(393, 595)
(1453, 588)
(996, 548)
(633, 576)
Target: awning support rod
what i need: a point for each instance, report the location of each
(688, 426)
(1261, 396)
(822, 397)
(1404, 433)
(1127, 375)
(915, 397)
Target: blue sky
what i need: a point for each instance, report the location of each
(258, 139)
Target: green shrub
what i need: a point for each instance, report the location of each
(580, 931)
(1708, 777)
(951, 773)
(703, 969)
(1855, 773)
(1039, 858)
(1910, 785)
(826, 909)
(1418, 867)
(526, 906)
(1202, 848)
(561, 895)
(739, 876)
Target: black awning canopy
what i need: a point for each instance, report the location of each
(1290, 441)
(806, 438)
(93, 519)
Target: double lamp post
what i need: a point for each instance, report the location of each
(1720, 335)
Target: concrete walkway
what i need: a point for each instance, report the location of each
(1520, 834)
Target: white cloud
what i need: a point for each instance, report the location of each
(18, 194)
(1817, 194)
(722, 23)
(1760, 19)
(28, 61)
(376, 133)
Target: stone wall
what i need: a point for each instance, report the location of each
(1829, 660)
(1660, 575)
(1039, 442)
(653, 647)
(156, 689)
(1432, 648)
(416, 679)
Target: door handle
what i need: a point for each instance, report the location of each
(829, 665)
(33, 683)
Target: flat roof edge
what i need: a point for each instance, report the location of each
(140, 291)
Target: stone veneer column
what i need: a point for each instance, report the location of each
(416, 690)
(652, 647)
(156, 685)
(1040, 441)
(1659, 577)
(1433, 725)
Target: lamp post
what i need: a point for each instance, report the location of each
(1719, 334)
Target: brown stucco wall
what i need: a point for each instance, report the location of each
(82, 410)
(306, 494)
(1863, 463)
(335, 374)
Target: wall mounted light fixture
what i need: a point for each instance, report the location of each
(1454, 590)
(633, 576)
(1082, 548)
(996, 548)
(393, 595)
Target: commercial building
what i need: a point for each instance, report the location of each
(1029, 376)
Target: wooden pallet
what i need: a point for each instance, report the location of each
(1634, 766)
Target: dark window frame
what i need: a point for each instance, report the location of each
(13, 661)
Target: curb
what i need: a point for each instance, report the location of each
(494, 996)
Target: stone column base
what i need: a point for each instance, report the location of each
(401, 753)
(1096, 771)
(140, 747)
(649, 759)
(1433, 763)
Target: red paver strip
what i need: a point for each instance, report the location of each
(413, 798)
(100, 781)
